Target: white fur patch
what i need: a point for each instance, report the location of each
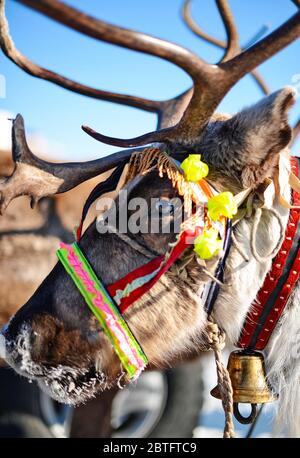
(63, 383)
(283, 365)
(242, 282)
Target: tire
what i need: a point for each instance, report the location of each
(25, 411)
(164, 404)
(20, 414)
(17, 394)
(19, 426)
(184, 402)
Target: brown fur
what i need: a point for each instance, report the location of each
(169, 321)
(26, 256)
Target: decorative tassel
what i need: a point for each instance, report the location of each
(142, 162)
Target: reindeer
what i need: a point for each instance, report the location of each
(36, 233)
(54, 338)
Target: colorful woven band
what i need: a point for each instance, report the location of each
(102, 305)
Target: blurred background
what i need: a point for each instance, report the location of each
(53, 119)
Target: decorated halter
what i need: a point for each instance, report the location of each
(207, 227)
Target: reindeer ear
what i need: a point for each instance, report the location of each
(262, 131)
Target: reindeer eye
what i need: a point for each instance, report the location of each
(165, 207)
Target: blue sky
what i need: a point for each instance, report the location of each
(58, 114)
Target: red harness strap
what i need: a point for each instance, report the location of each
(278, 285)
(135, 284)
(156, 265)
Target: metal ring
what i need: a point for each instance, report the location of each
(239, 416)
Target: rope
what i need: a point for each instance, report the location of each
(215, 337)
(257, 218)
(216, 342)
(258, 211)
(239, 248)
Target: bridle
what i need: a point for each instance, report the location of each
(273, 296)
(113, 300)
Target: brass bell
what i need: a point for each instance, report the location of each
(248, 377)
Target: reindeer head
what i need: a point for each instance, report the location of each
(54, 338)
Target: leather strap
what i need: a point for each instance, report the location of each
(161, 263)
(108, 185)
(135, 284)
(278, 285)
(214, 286)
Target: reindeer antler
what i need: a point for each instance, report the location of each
(182, 119)
(28, 66)
(37, 178)
(211, 84)
(101, 31)
(232, 47)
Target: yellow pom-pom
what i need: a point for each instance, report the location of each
(208, 244)
(222, 205)
(194, 169)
